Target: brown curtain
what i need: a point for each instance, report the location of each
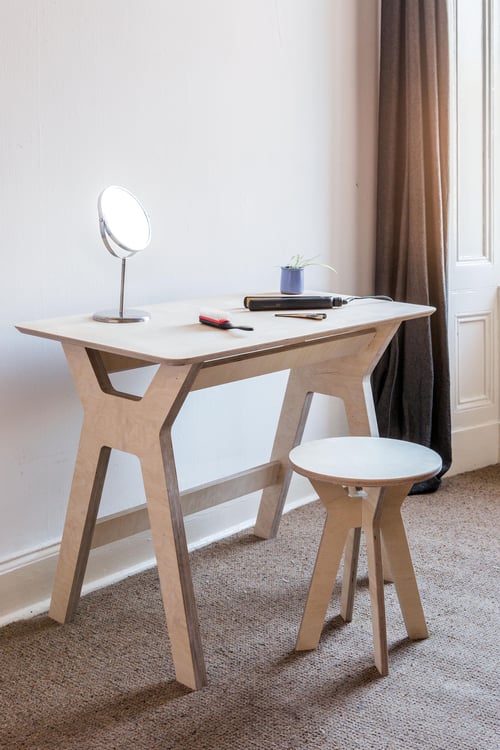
(411, 383)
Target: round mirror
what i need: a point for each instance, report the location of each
(123, 220)
(125, 229)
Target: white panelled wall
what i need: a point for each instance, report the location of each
(474, 263)
(247, 129)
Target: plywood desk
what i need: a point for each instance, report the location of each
(335, 356)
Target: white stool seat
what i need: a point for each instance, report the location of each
(365, 461)
(385, 470)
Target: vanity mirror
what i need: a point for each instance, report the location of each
(125, 230)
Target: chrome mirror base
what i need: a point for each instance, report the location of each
(127, 316)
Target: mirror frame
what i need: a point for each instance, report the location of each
(106, 232)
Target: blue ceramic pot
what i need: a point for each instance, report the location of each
(292, 280)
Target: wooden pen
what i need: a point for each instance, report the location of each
(309, 316)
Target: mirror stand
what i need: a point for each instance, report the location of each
(125, 230)
(121, 315)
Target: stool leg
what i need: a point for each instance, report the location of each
(343, 514)
(371, 513)
(350, 574)
(386, 566)
(398, 552)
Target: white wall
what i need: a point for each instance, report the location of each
(247, 129)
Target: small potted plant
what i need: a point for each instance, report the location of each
(292, 275)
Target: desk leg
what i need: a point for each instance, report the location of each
(86, 490)
(362, 419)
(167, 528)
(141, 427)
(294, 411)
(360, 410)
(357, 396)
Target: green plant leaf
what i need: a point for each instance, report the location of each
(300, 261)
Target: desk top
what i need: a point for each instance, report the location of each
(174, 335)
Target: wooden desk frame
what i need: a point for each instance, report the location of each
(336, 364)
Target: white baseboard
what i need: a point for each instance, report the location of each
(475, 447)
(26, 581)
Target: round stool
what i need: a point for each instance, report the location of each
(380, 473)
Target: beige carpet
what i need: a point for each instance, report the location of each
(106, 680)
